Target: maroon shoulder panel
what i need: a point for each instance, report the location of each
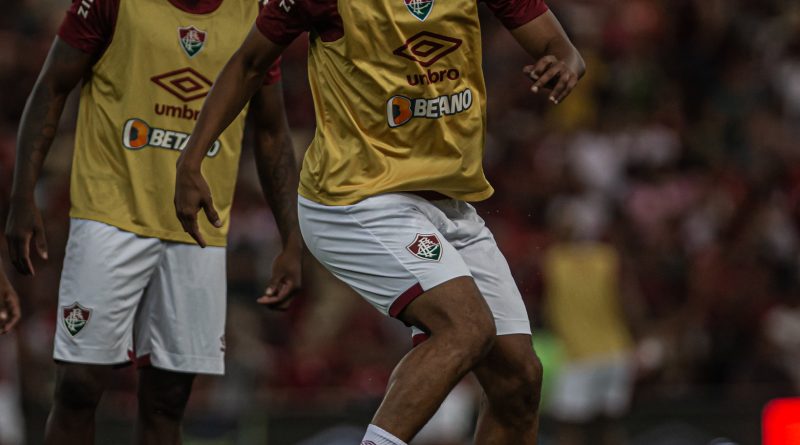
(89, 26)
(281, 21)
(515, 13)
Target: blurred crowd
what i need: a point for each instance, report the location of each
(667, 186)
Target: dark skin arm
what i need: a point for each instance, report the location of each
(62, 71)
(559, 65)
(9, 304)
(278, 173)
(236, 84)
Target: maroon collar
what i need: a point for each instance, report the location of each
(196, 6)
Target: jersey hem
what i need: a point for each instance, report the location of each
(164, 235)
(319, 198)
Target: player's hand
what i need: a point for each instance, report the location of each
(191, 195)
(286, 278)
(553, 75)
(23, 225)
(9, 305)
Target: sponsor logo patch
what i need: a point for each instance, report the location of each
(426, 247)
(186, 84)
(426, 47)
(420, 9)
(432, 77)
(76, 317)
(401, 109)
(192, 40)
(138, 134)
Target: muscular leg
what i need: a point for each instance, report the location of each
(511, 377)
(162, 399)
(78, 391)
(461, 331)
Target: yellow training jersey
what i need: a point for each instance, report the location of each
(582, 298)
(156, 62)
(398, 91)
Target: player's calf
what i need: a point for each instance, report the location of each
(515, 398)
(511, 377)
(163, 396)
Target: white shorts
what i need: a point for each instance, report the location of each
(392, 248)
(587, 389)
(127, 298)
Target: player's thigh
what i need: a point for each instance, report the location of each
(467, 232)
(455, 305)
(105, 273)
(385, 248)
(181, 324)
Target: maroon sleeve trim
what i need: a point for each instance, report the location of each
(281, 22)
(90, 29)
(515, 13)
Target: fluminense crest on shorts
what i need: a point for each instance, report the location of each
(75, 317)
(426, 247)
(192, 40)
(420, 9)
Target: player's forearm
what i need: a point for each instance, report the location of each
(277, 171)
(544, 36)
(232, 89)
(63, 69)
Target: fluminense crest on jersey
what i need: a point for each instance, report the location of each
(420, 9)
(192, 40)
(426, 247)
(75, 318)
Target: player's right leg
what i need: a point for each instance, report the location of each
(388, 250)
(105, 273)
(461, 331)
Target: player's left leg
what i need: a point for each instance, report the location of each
(511, 377)
(179, 333)
(162, 400)
(510, 373)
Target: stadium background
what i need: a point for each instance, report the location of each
(679, 150)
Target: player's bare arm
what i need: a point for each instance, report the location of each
(9, 304)
(63, 69)
(559, 65)
(236, 84)
(278, 173)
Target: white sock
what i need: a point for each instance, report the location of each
(377, 436)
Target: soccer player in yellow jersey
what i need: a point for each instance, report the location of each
(135, 287)
(401, 112)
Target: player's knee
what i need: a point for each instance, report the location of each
(166, 402)
(79, 388)
(516, 398)
(478, 337)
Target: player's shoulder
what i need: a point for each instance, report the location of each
(308, 7)
(94, 9)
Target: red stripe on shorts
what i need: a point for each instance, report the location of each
(417, 339)
(405, 299)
